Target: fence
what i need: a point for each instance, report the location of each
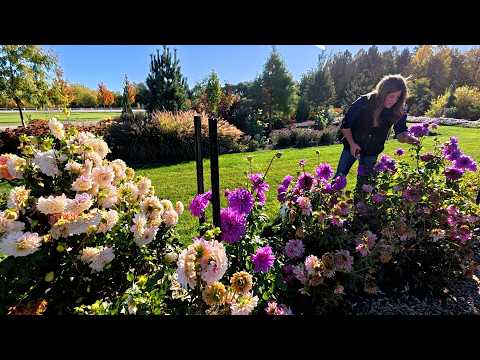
(33, 110)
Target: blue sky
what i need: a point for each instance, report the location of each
(91, 64)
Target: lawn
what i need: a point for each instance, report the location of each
(178, 182)
(14, 117)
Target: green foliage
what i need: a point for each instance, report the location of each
(167, 88)
(420, 97)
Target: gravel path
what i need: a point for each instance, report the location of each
(464, 299)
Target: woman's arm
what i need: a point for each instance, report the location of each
(354, 147)
(347, 122)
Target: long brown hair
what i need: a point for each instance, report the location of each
(389, 84)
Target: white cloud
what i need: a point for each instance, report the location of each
(322, 47)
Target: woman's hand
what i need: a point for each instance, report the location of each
(355, 149)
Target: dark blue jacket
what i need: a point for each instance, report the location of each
(371, 139)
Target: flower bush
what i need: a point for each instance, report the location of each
(425, 224)
(75, 224)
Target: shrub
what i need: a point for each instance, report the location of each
(167, 137)
(9, 138)
(468, 102)
(437, 106)
(303, 137)
(76, 226)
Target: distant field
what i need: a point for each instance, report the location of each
(14, 117)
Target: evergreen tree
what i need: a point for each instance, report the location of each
(360, 85)
(168, 90)
(275, 90)
(341, 69)
(214, 93)
(420, 97)
(126, 105)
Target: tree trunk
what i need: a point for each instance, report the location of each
(21, 114)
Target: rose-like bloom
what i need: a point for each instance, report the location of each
(56, 128)
(263, 259)
(52, 204)
(73, 167)
(170, 217)
(146, 236)
(343, 261)
(179, 208)
(81, 203)
(294, 249)
(144, 186)
(367, 188)
(109, 220)
(8, 222)
(339, 183)
(214, 294)
(277, 309)
(216, 264)
(240, 200)
(107, 196)
(17, 199)
(342, 208)
(139, 224)
(69, 224)
(244, 304)
(20, 244)
(324, 171)
(129, 192)
(16, 166)
(4, 173)
(103, 175)
(98, 146)
(150, 203)
(465, 162)
(419, 130)
(305, 205)
(199, 203)
(47, 163)
(305, 181)
(328, 265)
(241, 282)
(399, 152)
(82, 183)
(118, 166)
(453, 173)
(187, 260)
(233, 225)
(97, 258)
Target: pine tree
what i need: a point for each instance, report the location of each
(214, 93)
(168, 90)
(360, 85)
(275, 90)
(341, 69)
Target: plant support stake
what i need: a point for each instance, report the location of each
(214, 171)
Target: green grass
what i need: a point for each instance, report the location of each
(178, 182)
(14, 117)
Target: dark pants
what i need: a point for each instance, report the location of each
(347, 160)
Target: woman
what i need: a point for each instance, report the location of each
(367, 124)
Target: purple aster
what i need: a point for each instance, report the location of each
(260, 187)
(199, 203)
(240, 200)
(385, 163)
(339, 183)
(362, 208)
(465, 162)
(287, 180)
(305, 181)
(367, 188)
(452, 173)
(294, 249)
(263, 259)
(451, 150)
(287, 273)
(232, 224)
(343, 260)
(283, 187)
(399, 152)
(419, 130)
(301, 163)
(378, 198)
(324, 171)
